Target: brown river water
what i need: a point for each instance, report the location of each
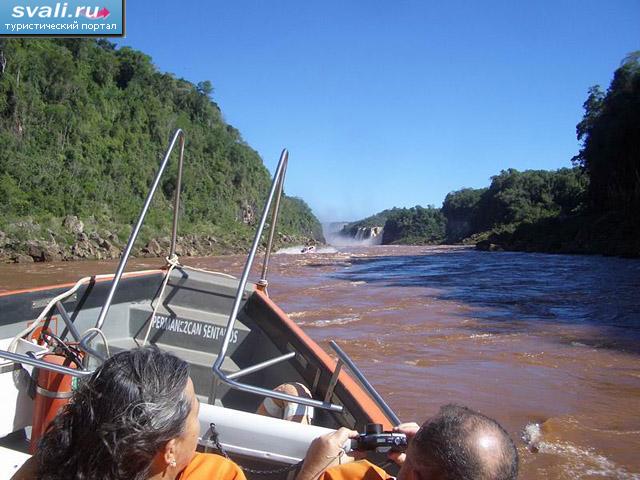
(549, 345)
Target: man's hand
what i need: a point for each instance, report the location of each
(409, 429)
(324, 452)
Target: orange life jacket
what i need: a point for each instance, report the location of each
(207, 466)
(360, 470)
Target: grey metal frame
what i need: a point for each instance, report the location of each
(85, 341)
(261, 366)
(274, 221)
(276, 187)
(19, 358)
(179, 134)
(344, 358)
(70, 326)
(275, 192)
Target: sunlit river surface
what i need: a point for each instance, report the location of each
(546, 344)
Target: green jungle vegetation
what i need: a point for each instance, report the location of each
(590, 208)
(516, 200)
(83, 127)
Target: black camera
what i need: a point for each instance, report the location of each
(375, 439)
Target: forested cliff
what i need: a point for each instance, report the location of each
(83, 126)
(414, 226)
(590, 208)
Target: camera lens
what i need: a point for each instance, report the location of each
(373, 429)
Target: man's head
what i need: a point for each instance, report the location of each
(460, 444)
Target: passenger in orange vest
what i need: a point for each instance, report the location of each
(135, 418)
(456, 444)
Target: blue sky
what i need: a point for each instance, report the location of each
(393, 103)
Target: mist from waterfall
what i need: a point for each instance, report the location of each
(365, 236)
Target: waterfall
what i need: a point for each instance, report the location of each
(335, 235)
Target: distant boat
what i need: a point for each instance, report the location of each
(238, 342)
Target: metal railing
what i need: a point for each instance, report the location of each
(276, 188)
(230, 380)
(377, 398)
(20, 358)
(274, 221)
(179, 134)
(84, 342)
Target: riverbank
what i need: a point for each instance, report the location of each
(74, 239)
(606, 235)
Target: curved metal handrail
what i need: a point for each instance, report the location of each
(373, 393)
(179, 134)
(276, 187)
(21, 358)
(274, 221)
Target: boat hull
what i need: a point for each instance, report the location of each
(190, 321)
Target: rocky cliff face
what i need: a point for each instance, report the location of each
(458, 229)
(77, 242)
(28, 243)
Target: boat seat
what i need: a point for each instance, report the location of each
(205, 291)
(258, 437)
(200, 363)
(185, 327)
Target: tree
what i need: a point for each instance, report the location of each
(610, 135)
(205, 88)
(461, 209)
(84, 124)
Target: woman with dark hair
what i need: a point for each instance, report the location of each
(136, 418)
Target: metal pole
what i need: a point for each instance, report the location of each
(217, 365)
(134, 235)
(365, 383)
(176, 204)
(70, 327)
(18, 358)
(274, 219)
(333, 381)
(247, 268)
(86, 340)
(262, 365)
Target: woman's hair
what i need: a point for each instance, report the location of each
(117, 421)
